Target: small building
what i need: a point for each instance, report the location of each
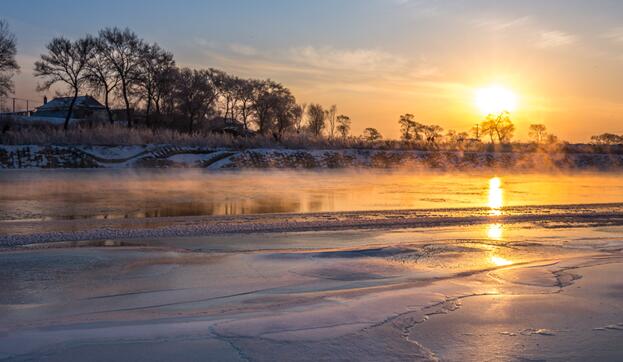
(227, 126)
(85, 107)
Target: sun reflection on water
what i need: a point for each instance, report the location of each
(496, 196)
(494, 231)
(499, 261)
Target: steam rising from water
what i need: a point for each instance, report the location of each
(134, 194)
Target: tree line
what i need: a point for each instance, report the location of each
(117, 63)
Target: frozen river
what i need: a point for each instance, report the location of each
(265, 266)
(112, 194)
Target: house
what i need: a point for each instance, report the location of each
(85, 107)
(227, 126)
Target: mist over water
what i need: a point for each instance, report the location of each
(74, 194)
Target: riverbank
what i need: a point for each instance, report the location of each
(168, 156)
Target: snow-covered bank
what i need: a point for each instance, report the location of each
(153, 156)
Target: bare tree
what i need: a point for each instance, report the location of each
(271, 104)
(499, 126)
(607, 139)
(101, 77)
(156, 64)
(8, 64)
(229, 93)
(409, 128)
(65, 62)
(316, 118)
(343, 125)
(432, 133)
(122, 49)
(195, 94)
(246, 94)
(538, 132)
(285, 110)
(371, 134)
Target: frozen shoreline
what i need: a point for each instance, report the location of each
(21, 232)
(168, 156)
(359, 295)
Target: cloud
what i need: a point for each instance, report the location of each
(492, 23)
(615, 34)
(243, 49)
(356, 60)
(555, 39)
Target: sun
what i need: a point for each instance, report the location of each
(495, 99)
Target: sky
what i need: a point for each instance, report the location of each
(377, 59)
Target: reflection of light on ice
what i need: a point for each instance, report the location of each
(496, 197)
(499, 261)
(494, 231)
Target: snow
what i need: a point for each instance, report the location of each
(186, 156)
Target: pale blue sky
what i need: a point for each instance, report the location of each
(377, 58)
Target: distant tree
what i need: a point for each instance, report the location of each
(371, 134)
(195, 94)
(499, 126)
(409, 128)
(476, 132)
(246, 95)
(228, 87)
(407, 125)
(273, 108)
(432, 133)
(343, 125)
(316, 118)
(65, 62)
(505, 128)
(8, 64)
(155, 70)
(300, 115)
(285, 110)
(538, 133)
(551, 139)
(330, 115)
(487, 127)
(607, 139)
(101, 77)
(123, 50)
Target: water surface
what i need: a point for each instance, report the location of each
(110, 194)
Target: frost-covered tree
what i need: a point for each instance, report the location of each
(316, 121)
(195, 94)
(330, 115)
(371, 134)
(343, 125)
(66, 62)
(409, 128)
(432, 133)
(538, 133)
(498, 126)
(8, 64)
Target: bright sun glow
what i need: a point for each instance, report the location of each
(495, 99)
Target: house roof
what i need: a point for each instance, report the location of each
(62, 103)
